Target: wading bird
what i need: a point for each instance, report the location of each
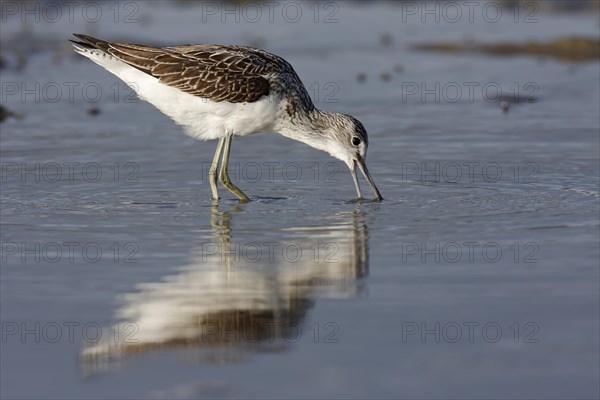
(222, 91)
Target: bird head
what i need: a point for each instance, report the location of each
(347, 140)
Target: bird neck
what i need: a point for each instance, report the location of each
(309, 127)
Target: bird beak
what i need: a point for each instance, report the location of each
(363, 168)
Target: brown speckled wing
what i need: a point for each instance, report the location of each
(221, 73)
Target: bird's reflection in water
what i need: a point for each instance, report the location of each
(251, 295)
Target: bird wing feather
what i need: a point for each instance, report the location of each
(221, 73)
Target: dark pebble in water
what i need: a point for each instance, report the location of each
(361, 77)
(94, 111)
(398, 68)
(504, 105)
(386, 76)
(386, 39)
(518, 99)
(6, 113)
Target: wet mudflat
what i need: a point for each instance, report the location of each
(476, 277)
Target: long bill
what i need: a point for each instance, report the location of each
(365, 171)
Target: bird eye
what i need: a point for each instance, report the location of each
(355, 141)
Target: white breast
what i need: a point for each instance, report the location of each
(202, 118)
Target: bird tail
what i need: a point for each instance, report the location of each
(87, 42)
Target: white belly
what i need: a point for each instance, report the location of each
(202, 118)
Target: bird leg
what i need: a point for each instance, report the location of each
(212, 173)
(224, 176)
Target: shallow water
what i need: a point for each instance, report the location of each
(476, 277)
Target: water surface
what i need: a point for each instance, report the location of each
(476, 277)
